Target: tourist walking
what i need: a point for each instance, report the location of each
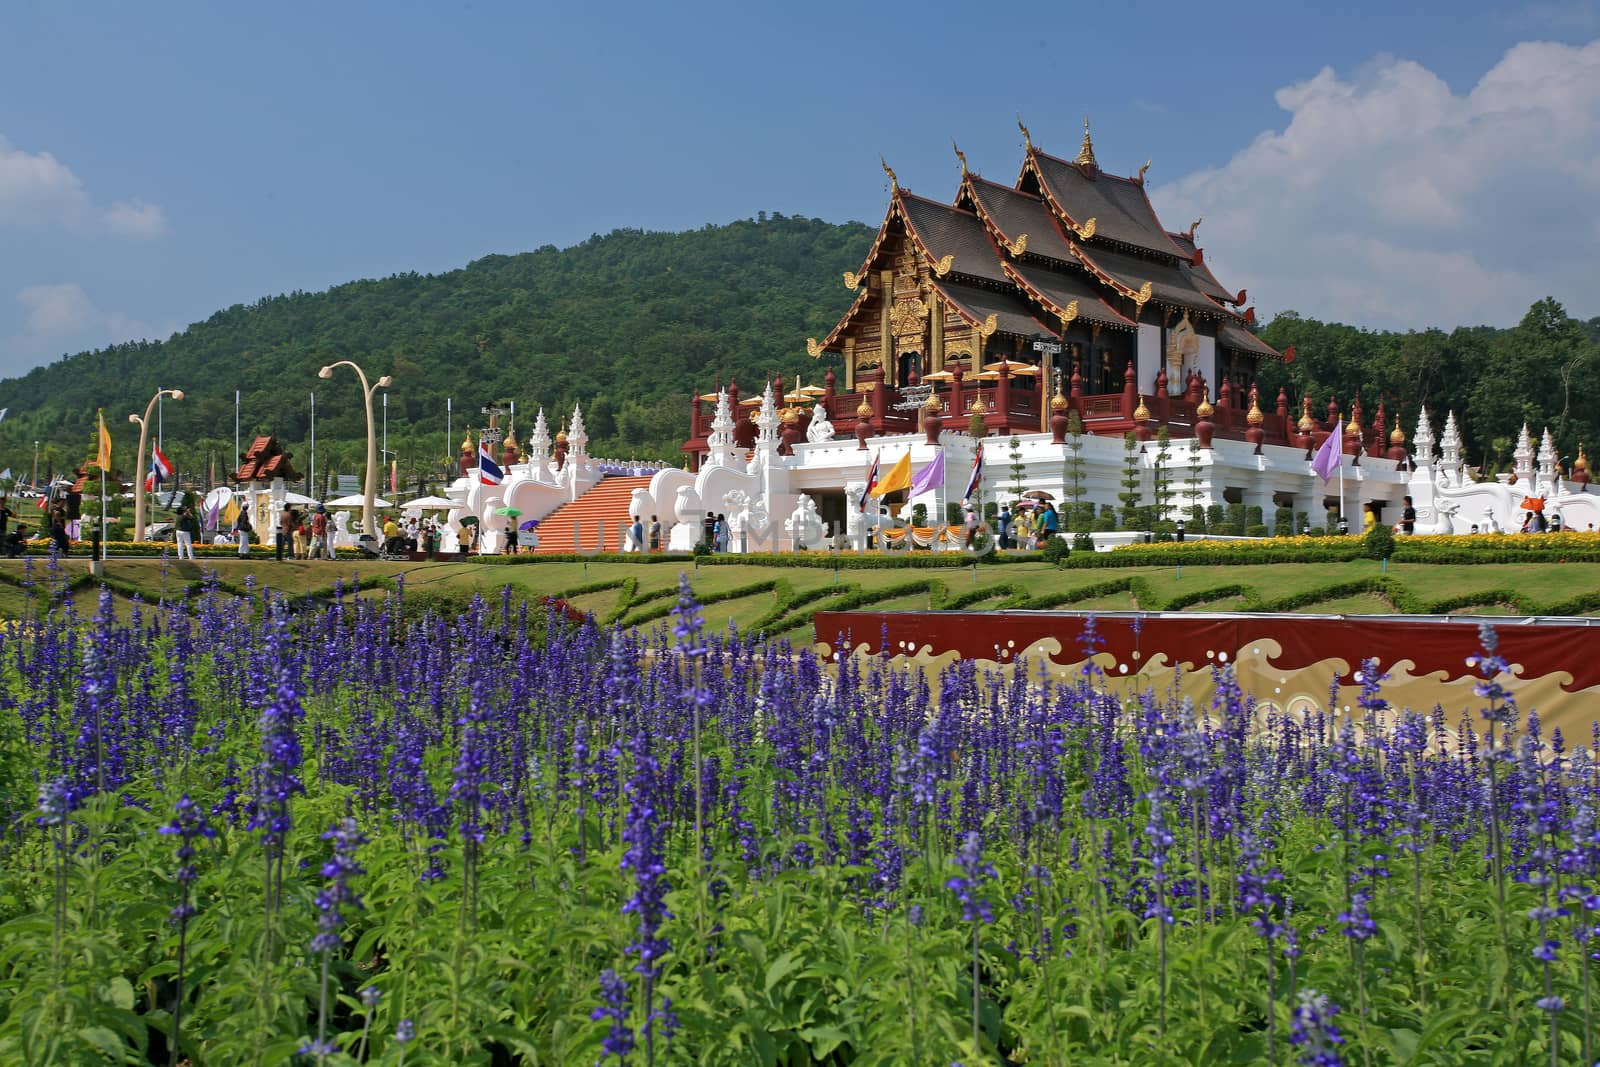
(1048, 525)
(969, 526)
(242, 530)
(188, 527)
(320, 549)
(1408, 518)
(655, 534)
(710, 524)
(283, 542)
(636, 534)
(1002, 524)
(58, 533)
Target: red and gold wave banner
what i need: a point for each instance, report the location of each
(1287, 662)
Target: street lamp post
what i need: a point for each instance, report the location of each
(144, 439)
(369, 522)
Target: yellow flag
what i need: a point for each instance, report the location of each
(104, 457)
(899, 477)
(231, 512)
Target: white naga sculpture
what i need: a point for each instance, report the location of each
(804, 525)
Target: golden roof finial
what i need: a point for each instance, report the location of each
(1144, 170)
(1195, 225)
(1027, 139)
(1582, 462)
(1254, 416)
(1204, 409)
(894, 183)
(1306, 423)
(933, 404)
(511, 437)
(466, 442)
(1141, 413)
(1086, 150)
(561, 434)
(863, 409)
(960, 155)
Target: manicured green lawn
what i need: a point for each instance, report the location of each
(781, 599)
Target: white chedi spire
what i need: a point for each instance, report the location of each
(1422, 440)
(719, 442)
(1549, 476)
(1450, 443)
(1522, 458)
(577, 437)
(767, 420)
(539, 441)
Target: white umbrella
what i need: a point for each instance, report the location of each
(355, 500)
(297, 498)
(429, 503)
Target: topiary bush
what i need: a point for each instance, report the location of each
(1379, 541)
(1056, 550)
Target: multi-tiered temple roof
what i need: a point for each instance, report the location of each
(1066, 252)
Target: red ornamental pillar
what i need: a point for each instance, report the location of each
(1130, 396)
(1059, 419)
(1204, 428)
(1077, 386)
(1163, 402)
(932, 420)
(863, 424)
(957, 406)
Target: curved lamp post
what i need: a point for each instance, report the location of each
(369, 522)
(144, 439)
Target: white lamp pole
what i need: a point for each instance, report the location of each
(369, 522)
(144, 439)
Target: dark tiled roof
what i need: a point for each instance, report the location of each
(1118, 205)
(1232, 335)
(1200, 276)
(1016, 213)
(264, 460)
(1168, 283)
(1013, 314)
(957, 234)
(1063, 287)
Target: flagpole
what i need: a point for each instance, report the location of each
(311, 477)
(1341, 472)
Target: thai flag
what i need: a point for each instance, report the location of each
(489, 472)
(872, 480)
(976, 481)
(160, 470)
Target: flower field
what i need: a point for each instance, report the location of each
(264, 830)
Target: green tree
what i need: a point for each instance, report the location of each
(1132, 479)
(1160, 474)
(1075, 489)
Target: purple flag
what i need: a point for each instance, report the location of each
(929, 478)
(1328, 457)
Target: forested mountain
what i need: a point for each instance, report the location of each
(626, 324)
(629, 324)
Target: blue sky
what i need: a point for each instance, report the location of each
(1394, 165)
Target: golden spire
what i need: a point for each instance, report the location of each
(1397, 436)
(1305, 424)
(1204, 409)
(864, 409)
(1254, 416)
(1141, 413)
(561, 434)
(894, 183)
(466, 442)
(1027, 139)
(1582, 462)
(511, 437)
(960, 155)
(1086, 150)
(933, 405)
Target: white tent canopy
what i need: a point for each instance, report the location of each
(428, 503)
(298, 498)
(356, 500)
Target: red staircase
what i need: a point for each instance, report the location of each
(606, 505)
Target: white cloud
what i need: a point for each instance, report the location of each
(37, 190)
(61, 318)
(1389, 200)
